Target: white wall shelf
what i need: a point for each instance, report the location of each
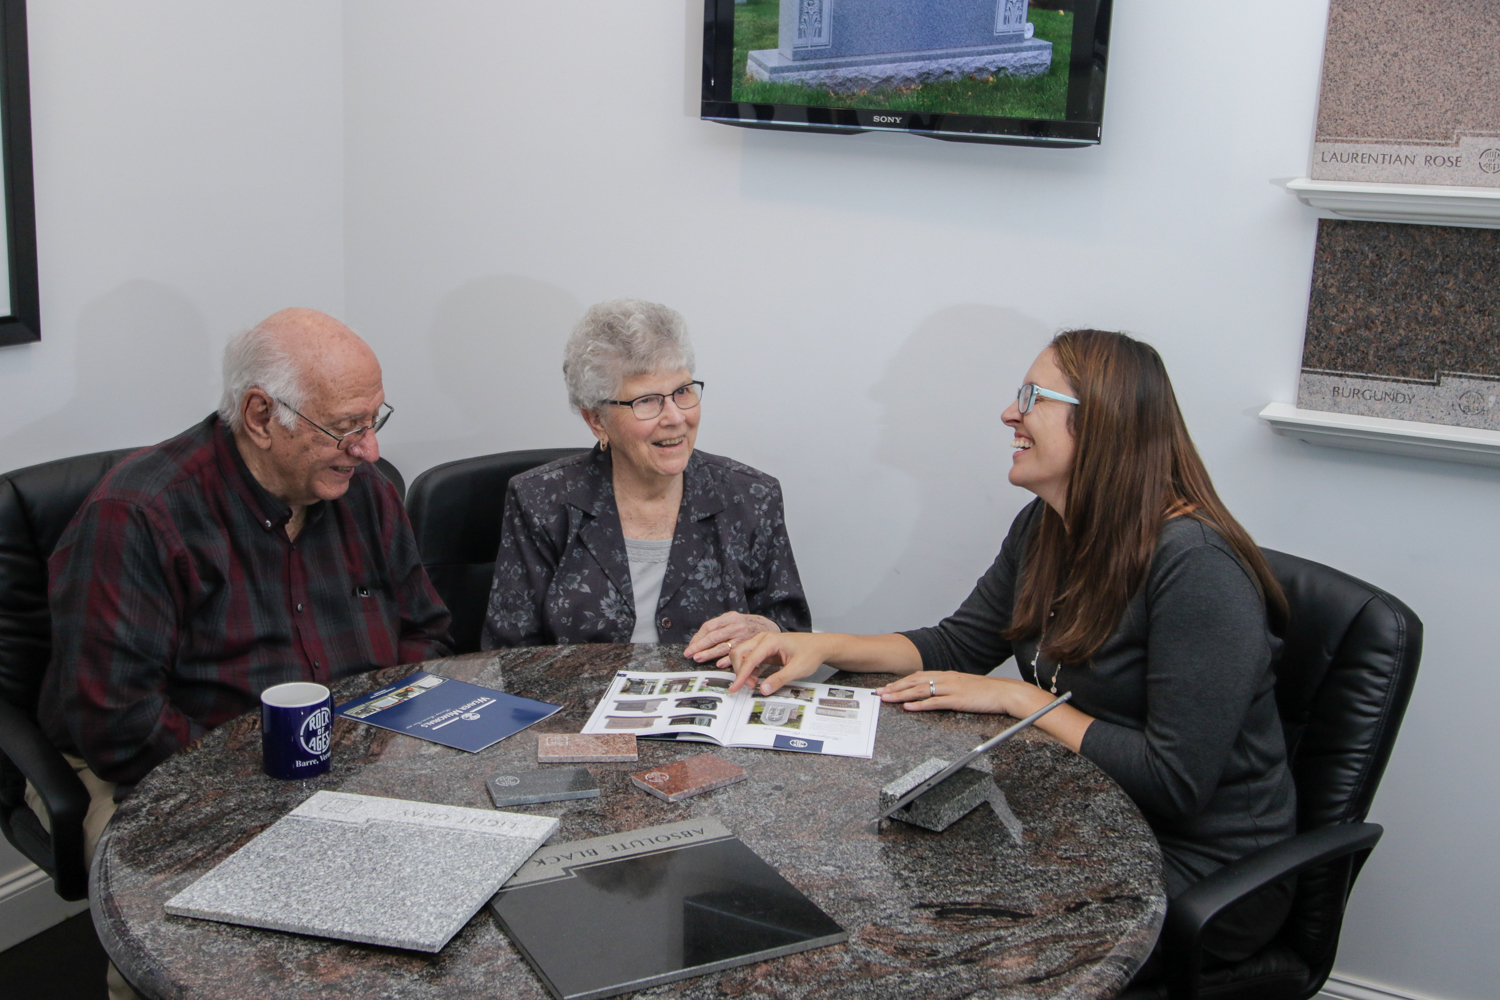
(1469, 445)
(1427, 204)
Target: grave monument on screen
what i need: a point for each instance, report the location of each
(854, 45)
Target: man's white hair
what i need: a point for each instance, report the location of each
(254, 359)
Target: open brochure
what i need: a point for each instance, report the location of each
(810, 718)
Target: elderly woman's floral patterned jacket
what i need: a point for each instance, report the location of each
(562, 575)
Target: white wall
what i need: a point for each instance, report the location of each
(189, 177)
(863, 307)
(189, 180)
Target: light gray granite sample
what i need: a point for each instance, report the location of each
(555, 784)
(940, 807)
(369, 869)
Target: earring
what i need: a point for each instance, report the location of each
(604, 444)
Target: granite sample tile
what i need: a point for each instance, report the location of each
(653, 906)
(578, 748)
(1410, 93)
(558, 784)
(943, 805)
(689, 777)
(368, 869)
(1401, 323)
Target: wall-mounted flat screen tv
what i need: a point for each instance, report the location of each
(1028, 72)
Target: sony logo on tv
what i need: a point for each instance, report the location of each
(884, 119)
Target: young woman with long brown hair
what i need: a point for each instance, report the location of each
(1128, 583)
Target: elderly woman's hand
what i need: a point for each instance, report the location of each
(718, 635)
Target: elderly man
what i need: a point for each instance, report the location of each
(257, 547)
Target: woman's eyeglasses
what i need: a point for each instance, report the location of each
(1027, 394)
(649, 407)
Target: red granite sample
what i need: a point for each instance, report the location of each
(578, 748)
(689, 777)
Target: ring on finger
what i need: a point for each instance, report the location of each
(931, 688)
(730, 643)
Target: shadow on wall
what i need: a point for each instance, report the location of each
(497, 347)
(941, 398)
(146, 369)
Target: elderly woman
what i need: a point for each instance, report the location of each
(642, 539)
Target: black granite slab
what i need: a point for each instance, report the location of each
(1071, 911)
(1404, 322)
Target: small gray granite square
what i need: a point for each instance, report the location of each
(362, 868)
(938, 808)
(556, 784)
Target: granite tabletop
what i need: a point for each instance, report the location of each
(1071, 911)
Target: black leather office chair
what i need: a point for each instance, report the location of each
(455, 511)
(1342, 686)
(36, 504)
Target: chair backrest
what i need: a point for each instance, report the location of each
(455, 511)
(1345, 676)
(390, 472)
(36, 504)
(1342, 685)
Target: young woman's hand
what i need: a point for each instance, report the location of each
(936, 689)
(798, 654)
(977, 693)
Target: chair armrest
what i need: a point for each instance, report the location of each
(1190, 913)
(54, 779)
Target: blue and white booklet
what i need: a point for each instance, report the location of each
(443, 710)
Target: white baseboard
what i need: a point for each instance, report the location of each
(28, 905)
(1343, 988)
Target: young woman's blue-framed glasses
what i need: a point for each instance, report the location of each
(1027, 394)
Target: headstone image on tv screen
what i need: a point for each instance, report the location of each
(1411, 93)
(1003, 58)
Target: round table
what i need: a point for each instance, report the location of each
(1071, 911)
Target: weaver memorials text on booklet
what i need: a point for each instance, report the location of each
(697, 707)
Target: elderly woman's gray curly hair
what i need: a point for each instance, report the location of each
(619, 339)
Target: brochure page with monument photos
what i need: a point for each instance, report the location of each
(697, 707)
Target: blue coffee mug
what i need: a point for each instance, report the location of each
(296, 730)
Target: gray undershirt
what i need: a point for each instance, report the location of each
(648, 568)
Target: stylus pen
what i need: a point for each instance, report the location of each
(967, 758)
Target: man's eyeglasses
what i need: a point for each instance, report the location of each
(649, 407)
(1027, 394)
(386, 409)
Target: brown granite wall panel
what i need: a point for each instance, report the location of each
(1411, 93)
(1402, 323)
